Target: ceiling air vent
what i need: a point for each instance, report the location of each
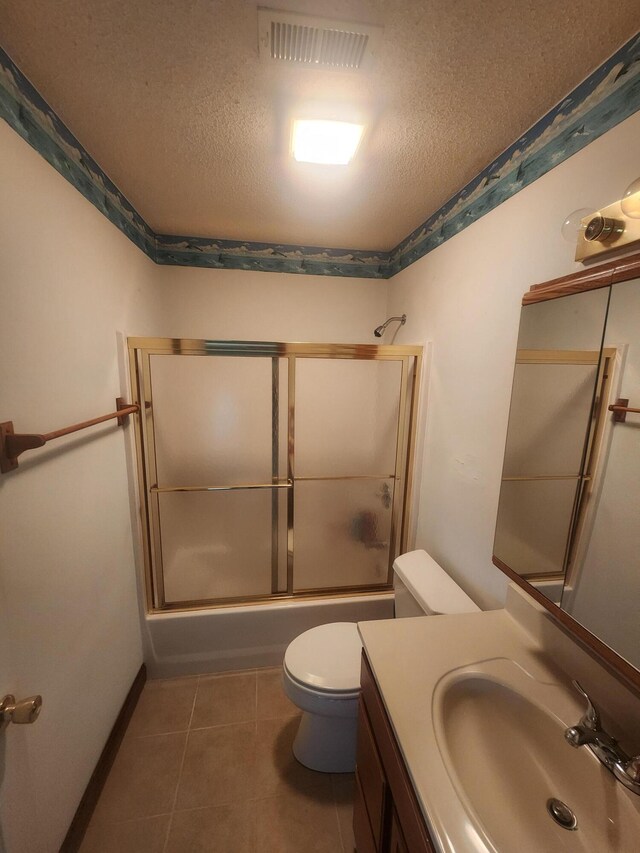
(315, 42)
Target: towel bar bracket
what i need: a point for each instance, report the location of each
(7, 463)
(12, 444)
(621, 408)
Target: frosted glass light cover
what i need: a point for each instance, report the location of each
(630, 203)
(572, 226)
(332, 143)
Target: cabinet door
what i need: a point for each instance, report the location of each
(361, 827)
(397, 844)
(371, 776)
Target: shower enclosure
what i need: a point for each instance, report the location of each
(271, 470)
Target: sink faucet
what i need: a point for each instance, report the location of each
(589, 732)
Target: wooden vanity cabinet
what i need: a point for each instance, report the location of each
(386, 813)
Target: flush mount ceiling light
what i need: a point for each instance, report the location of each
(333, 143)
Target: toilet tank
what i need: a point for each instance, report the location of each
(423, 588)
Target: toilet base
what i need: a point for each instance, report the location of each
(326, 744)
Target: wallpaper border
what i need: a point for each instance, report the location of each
(608, 96)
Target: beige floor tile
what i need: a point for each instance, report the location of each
(219, 766)
(147, 835)
(143, 779)
(343, 791)
(298, 822)
(223, 699)
(277, 771)
(272, 701)
(164, 706)
(223, 829)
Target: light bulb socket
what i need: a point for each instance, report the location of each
(602, 228)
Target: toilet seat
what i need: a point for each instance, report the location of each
(308, 698)
(326, 660)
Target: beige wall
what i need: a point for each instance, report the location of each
(465, 297)
(260, 306)
(69, 623)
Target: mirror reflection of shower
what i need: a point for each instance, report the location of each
(379, 331)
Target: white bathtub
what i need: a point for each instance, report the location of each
(232, 638)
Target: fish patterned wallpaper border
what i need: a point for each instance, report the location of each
(608, 96)
(270, 257)
(30, 116)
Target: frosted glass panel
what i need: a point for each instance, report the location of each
(216, 544)
(213, 419)
(549, 418)
(342, 533)
(533, 524)
(346, 416)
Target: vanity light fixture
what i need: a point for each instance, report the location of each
(597, 231)
(573, 225)
(332, 143)
(630, 203)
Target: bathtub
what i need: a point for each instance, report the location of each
(232, 638)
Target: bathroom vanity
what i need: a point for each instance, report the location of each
(473, 738)
(386, 815)
(462, 743)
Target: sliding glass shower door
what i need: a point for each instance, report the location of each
(271, 470)
(346, 447)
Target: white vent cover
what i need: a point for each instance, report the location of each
(315, 42)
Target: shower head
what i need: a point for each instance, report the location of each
(379, 332)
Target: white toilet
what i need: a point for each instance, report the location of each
(321, 670)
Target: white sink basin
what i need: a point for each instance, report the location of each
(500, 733)
(479, 707)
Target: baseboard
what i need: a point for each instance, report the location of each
(80, 822)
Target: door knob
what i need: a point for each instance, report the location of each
(24, 711)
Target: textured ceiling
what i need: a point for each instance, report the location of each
(171, 99)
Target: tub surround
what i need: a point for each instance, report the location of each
(191, 642)
(521, 637)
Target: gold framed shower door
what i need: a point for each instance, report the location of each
(141, 351)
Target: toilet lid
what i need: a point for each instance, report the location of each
(326, 657)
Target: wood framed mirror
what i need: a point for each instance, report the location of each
(568, 524)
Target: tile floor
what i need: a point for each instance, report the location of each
(206, 765)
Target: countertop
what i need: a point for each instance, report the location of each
(409, 657)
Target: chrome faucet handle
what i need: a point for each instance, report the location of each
(589, 732)
(632, 769)
(591, 718)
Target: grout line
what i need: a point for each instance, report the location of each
(291, 715)
(223, 673)
(256, 705)
(184, 755)
(118, 822)
(223, 725)
(335, 808)
(159, 734)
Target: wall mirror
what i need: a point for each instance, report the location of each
(568, 525)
